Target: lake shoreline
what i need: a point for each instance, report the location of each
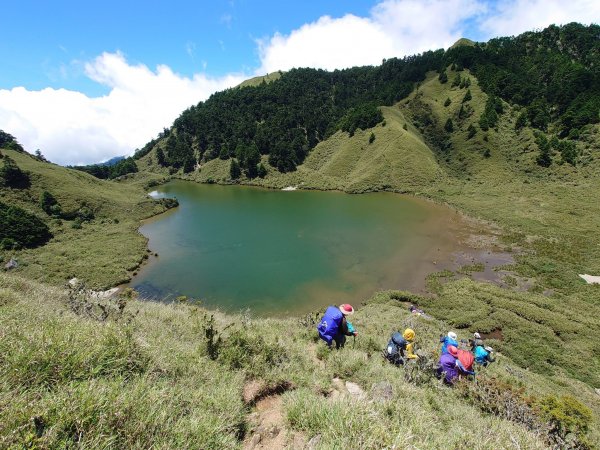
(482, 245)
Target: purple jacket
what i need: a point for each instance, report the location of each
(448, 367)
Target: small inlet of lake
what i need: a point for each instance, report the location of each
(279, 252)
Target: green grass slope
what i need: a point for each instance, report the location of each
(397, 160)
(552, 212)
(256, 81)
(103, 251)
(166, 376)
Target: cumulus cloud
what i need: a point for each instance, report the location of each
(405, 27)
(72, 128)
(516, 16)
(393, 28)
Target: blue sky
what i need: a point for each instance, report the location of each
(85, 81)
(49, 41)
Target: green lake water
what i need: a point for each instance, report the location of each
(277, 252)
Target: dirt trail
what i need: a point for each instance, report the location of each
(269, 431)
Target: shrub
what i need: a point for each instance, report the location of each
(12, 176)
(252, 353)
(18, 228)
(49, 204)
(363, 117)
(261, 171)
(566, 416)
(212, 339)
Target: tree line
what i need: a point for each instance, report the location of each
(554, 74)
(286, 118)
(109, 171)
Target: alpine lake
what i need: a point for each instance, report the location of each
(280, 252)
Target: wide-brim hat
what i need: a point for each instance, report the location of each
(452, 335)
(346, 309)
(453, 350)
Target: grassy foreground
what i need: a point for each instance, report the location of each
(152, 375)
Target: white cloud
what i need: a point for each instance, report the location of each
(510, 18)
(72, 128)
(394, 28)
(405, 27)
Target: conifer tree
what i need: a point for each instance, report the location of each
(449, 127)
(234, 169)
(262, 171)
(471, 131)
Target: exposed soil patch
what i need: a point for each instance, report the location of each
(269, 425)
(257, 390)
(268, 419)
(494, 334)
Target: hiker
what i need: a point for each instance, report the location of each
(414, 310)
(400, 347)
(476, 341)
(334, 325)
(483, 355)
(449, 339)
(466, 358)
(450, 367)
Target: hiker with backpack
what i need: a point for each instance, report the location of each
(400, 347)
(450, 366)
(466, 358)
(476, 341)
(334, 325)
(449, 339)
(483, 355)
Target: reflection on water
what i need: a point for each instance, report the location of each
(277, 252)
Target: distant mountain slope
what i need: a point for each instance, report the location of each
(553, 76)
(257, 81)
(94, 223)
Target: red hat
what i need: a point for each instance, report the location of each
(453, 350)
(346, 309)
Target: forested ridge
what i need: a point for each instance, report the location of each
(553, 74)
(288, 117)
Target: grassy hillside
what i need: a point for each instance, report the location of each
(256, 81)
(177, 376)
(103, 249)
(396, 160)
(548, 216)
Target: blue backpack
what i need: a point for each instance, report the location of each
(394, 351)
(330, 324)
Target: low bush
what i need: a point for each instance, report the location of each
(18, 228)
(252, 353)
